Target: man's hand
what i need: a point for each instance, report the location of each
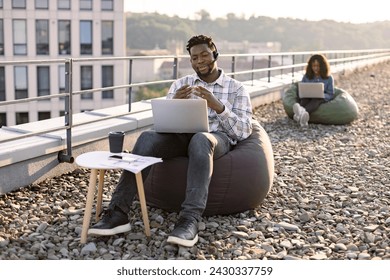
(212, 101)
(183, 93)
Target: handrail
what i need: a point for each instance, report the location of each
(348, 56)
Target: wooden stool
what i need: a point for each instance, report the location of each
(98, 162)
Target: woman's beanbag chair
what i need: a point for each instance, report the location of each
(240, 181)
(342, 109)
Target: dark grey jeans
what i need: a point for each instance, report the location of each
(311, 104)
(201, 149)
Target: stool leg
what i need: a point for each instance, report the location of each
(142, 200)
(99, 195)
(88, 206)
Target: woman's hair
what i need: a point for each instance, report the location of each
(200, 39)
(324, 66)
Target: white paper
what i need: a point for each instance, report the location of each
(131, 162)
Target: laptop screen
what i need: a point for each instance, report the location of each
(311, 90)
(180, 115)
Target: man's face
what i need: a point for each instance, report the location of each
(202, 60)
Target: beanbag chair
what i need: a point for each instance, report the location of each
(240, 181)
(342, 109)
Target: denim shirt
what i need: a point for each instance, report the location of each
(328, 85)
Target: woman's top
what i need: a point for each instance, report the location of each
(328, 85)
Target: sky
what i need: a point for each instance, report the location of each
(354, 11)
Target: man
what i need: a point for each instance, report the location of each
(229, 113)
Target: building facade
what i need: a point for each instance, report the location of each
(48, 32)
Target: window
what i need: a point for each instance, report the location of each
(3, 119)
(1, 37)
(20, 82)
(42, 4)
(64, 37)
(1, 4)
(21, 117)
(42, 36)
(20, 36)
(86, 81)
(43, 80)
(63, 4)
(107, 5)
(107, 37)
(19, 4)
(85, 4)
(86, 37)
(107, 81)
(61, 78)
(43, 116)
(2, 84)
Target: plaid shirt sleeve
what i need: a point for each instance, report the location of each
(235, 120)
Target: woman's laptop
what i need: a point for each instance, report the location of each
(180, 115)
(311, 90)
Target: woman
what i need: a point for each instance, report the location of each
(317, 71)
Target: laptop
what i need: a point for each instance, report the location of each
(311, 90)
(180, 115)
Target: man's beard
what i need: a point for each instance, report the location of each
(205, 75)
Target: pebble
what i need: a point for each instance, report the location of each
(330, 198)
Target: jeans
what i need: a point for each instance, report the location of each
(311, 104)
(200, 148)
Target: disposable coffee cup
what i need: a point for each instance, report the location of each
(115, 139)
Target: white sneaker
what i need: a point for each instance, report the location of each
(304, 119)
(298, 110)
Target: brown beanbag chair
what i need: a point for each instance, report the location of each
(241, 179)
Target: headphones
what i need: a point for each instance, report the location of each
(215, 53)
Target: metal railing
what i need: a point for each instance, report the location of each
(276, 64)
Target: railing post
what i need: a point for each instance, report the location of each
(253, 68)
(175, 73)
(345, 55)
(293, 69)
(130, 82)
(282, 62)
(269, 70)
(233, 65)
(68, 113)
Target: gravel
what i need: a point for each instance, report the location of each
(330, 198)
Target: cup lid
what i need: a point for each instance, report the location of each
(116, 132)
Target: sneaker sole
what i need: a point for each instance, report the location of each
(182, 242)
(109, 231)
